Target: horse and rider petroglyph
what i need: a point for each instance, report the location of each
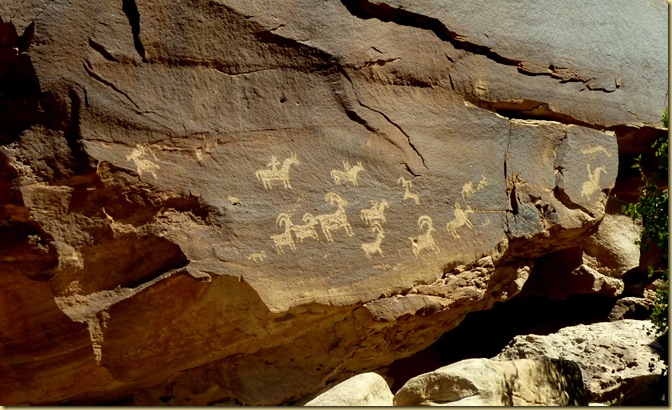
(375, 213)
(461, 219)
(349, 173)
(271, 174)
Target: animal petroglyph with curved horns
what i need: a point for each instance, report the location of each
(407, 190)
(336, 220)
(425, 240)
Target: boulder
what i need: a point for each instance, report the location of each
(244, 201)
(367, 389)
(484, 382)
(620, 360)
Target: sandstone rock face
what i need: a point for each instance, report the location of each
(614, 358)
(367, 389)
(256, 199)
(484, 382)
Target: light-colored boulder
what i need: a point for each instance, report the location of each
(614, 246)
(485, 382)
(367, 389)
(614, 357)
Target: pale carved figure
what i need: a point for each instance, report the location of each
(274, 174)
(407, 190)
(375, 213)
(483, 183)
(593, 150)
(257, 257)
(307, 230)
(335, 220)
(425, 240)
(468, 190)
(461, 219)
(349, 173)
(593, 184)
(372, 248)
(284, 239)
(139, 156)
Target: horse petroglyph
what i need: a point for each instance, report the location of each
(257, 257)
(348, 174)
(139, 156)
(375, 213)
(407, 190)
(372, 248)
(336, 220)
(284, 239)
(461, 219)
(274, 174)
(425, 240)
(593, 184)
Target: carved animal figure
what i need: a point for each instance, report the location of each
(275, 174)
(257, 257)
(375, 213)
(284, 239)
(308, 230)
(593, 184)
(461, 219)
(348, 174)
(425, 240)
(593, 150)
(372, 248)
(407, 190)
(482, 184)
(336, 220)
(468, 190)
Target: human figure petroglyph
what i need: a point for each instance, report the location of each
(284, 239)
(461, 219)
(593, 150)
(593, 184)
(336, 220)
(139, 156)
(407, 190)
(348, 174)
(425, 240)
(257, 257)
(307, 230)
(372, 248)
(275, 174)
(375, 213)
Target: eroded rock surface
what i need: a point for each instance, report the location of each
(256, 199)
